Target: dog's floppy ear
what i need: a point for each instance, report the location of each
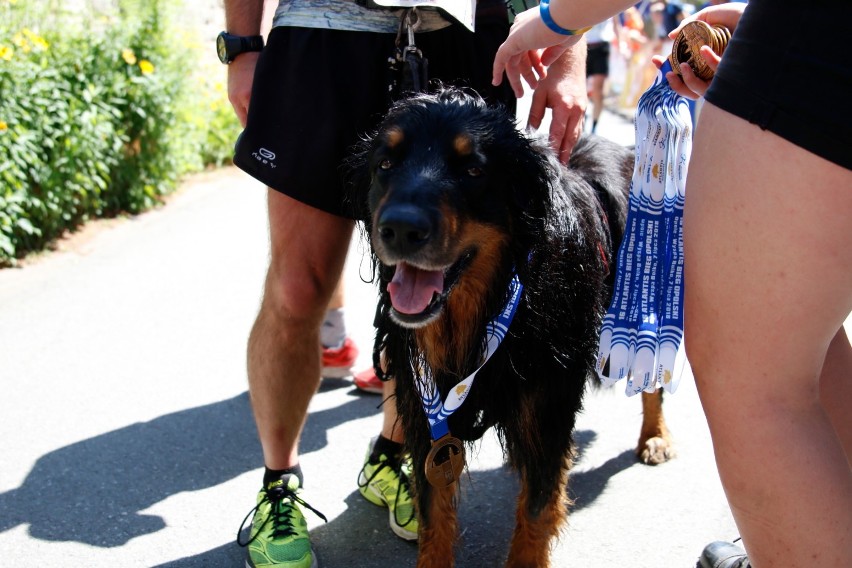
(530, 175)
(356, 176)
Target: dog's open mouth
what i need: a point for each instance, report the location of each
(418, 294)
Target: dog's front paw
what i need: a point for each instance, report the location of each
(656, 450)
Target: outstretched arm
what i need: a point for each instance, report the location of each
(532, 46)
(563, 91)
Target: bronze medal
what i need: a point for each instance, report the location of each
(687, 46)
(445, 462)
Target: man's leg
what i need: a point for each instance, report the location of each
(769, 283)
(339, 352)
(391, 427)
(596, 95)
(308, 250)
(385, 479)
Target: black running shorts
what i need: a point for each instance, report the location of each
(316, 91)
(597, 59)
(787, 69)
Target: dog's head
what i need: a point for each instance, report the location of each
(454, 197)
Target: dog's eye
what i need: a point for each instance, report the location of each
(385, 164)
(474, 171)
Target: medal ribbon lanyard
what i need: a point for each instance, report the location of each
(438, 412)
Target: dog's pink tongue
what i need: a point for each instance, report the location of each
(411, 289)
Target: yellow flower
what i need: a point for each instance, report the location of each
(35, 39)
(21, 42)
(128, 56)
(6, 53)
(146, 67)
(41, 43)
(3, 126)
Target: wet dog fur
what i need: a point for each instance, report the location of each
(453, 195)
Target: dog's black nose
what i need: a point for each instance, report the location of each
(404, 228)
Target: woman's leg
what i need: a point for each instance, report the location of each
(835, 389)
(769, 283)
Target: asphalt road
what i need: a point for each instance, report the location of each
(126, 437)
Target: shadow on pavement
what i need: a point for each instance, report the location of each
(360, 537)
(226, 555)
(584, 487)
(93, 491)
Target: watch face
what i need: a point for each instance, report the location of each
(220, 49)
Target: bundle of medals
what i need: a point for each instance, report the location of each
(643, 327)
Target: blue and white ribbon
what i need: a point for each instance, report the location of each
(438, 412)
(643, 327)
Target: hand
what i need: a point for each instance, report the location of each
(688, 84)
(529, 49)
(563, 91)
(240, 80)
(727, 15)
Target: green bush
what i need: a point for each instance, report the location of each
(99, 115)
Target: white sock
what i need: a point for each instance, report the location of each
(333, 330)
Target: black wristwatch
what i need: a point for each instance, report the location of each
(228, 46)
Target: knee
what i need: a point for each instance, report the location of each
(296, 297)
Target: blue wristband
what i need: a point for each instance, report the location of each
(544, 10)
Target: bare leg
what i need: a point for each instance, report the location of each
(835, 388)
(337, 297)
(596, 95)
(308, 249)
(391, 426)
(333, 329)
(769, 283)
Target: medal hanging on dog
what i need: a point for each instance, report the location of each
(445, 461)
(643, 328)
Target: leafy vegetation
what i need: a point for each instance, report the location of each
(101, 113)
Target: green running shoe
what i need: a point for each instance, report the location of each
(279, 533)
(386, 483)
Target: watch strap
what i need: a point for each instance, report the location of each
(251, 43)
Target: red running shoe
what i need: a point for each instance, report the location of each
(367, 381)
(337, 362)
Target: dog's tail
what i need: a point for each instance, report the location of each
(608, 167)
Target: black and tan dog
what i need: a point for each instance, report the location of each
(456, 202)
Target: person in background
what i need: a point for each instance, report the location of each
(598, 40)
(673, 15)
(339, 351)
(768, 265)
(633, 44)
